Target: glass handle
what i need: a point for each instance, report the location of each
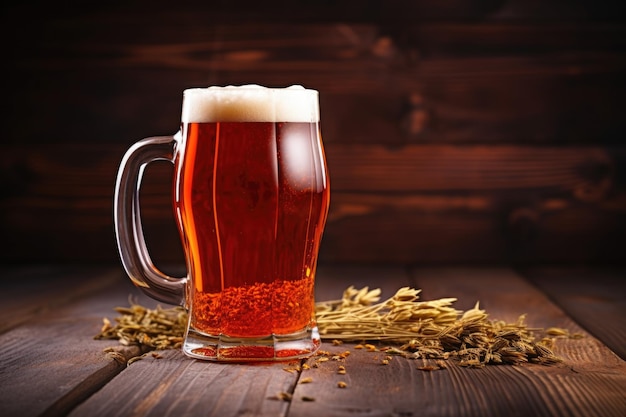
(128, 228)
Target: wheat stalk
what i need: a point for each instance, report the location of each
(419, 329)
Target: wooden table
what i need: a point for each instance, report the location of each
(50, 364)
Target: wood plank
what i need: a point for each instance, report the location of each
(522, 203)
(47, 290)
(50, 362)
(332, 279)
(54, 173)
(412, 234)
(366, 374)
(593, 297)
(269, 45)
(440, 82)
(178, 386)
(590, 369)
(488, 105)
(396, 99)
(399, 388)
(428, 168)
(590, 382)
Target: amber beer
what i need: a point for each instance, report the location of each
(251, 198)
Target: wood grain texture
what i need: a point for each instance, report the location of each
(177, 386)
(400, 388)
(593, 298)
(49, 360)
(445, 82)
(51, 366)
(27, 293)
(332, 279)
(489, 121)
(521, 203)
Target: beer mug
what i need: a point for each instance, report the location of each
(250, 199)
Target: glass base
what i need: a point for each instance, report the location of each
(232, 349)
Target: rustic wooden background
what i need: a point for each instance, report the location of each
(485, 131)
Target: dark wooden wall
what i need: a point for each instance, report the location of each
(456, 131)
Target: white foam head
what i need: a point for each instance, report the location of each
(250, 103)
